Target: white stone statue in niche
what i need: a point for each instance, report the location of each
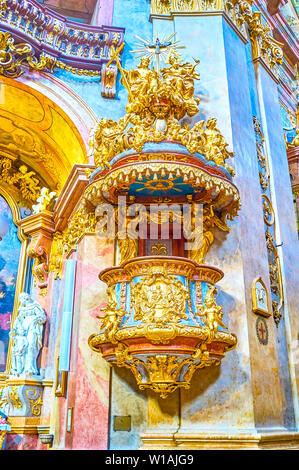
(26, 336)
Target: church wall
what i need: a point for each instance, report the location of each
(279, 333)
(215, 392)
(286, 234)
(24, 442)
(127, 400)
(264, 362)
(89, 376)
(57, 404)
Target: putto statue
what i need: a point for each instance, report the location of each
(212, 312)
(26, 336)
(157, 101)
(43, 201)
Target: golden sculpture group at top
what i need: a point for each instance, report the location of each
(157, 101)
(162, 320)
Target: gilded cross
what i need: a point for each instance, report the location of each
(158, 47)
(115, 56)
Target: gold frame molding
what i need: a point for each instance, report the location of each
(60, 384)
(69, 424)
(255, 307)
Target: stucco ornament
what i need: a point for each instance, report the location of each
(26, 336)
(43, 201)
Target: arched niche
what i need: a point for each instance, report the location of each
(39, 133)
(12, 245)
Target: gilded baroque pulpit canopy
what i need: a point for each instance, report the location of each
(162, 320)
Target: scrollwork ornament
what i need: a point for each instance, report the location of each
(35, 400)
(22, 178)
(269, 219)
(269, 216)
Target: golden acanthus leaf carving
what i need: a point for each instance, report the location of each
(80, 223)
(56, 255)
(13, 56)
(25, 180)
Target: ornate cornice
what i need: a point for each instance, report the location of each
(265, 49)
(71, 195)
(40, 227)
(235, 9)
(78, 48)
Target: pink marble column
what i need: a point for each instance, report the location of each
(89, 376)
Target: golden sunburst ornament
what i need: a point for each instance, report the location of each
(159, 48)
(159, 184)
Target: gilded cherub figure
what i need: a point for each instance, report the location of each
(112, 317)
(215, 146)
(106, 140)
(29, 184)
(43, 200)
(295, 141)
(212, 312)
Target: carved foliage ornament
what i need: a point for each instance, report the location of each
(263, 45)
(83, 221)
(269, 220)
(12, 57)
(10, 397)
(25, 180)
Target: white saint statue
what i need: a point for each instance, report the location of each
(26, 336)
(43, 200)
